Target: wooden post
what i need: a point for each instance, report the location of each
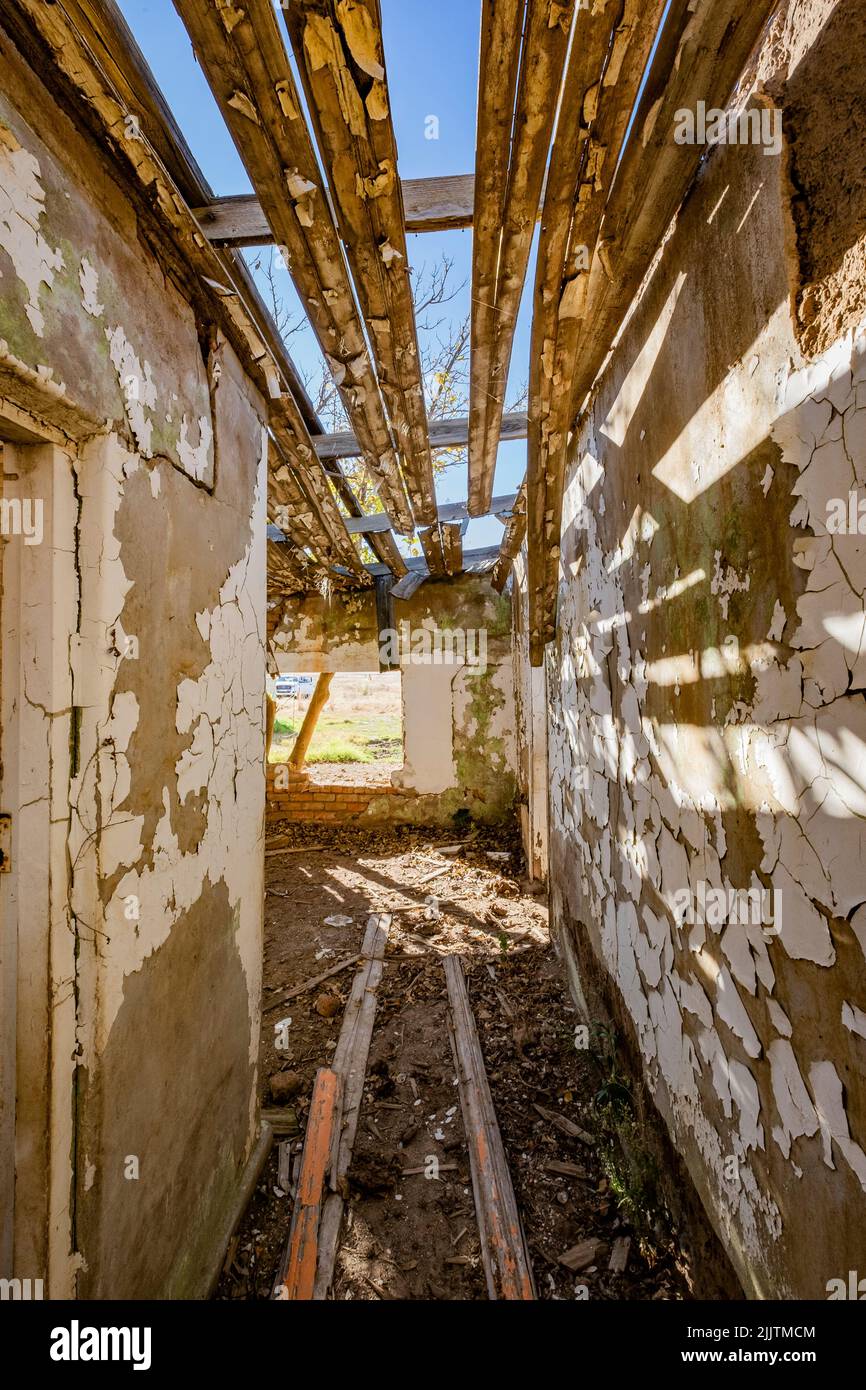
(311, 719)
(270, 720)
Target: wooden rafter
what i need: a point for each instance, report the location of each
(440, 204)
(512, 540)
(339, 51)
(247, 66)
(431, 544)
(97, 58)
(605, 67)
(443, 434)
(452, 546)
(702, 52)
(517, 102)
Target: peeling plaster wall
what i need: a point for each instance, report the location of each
(458, 719)
(708, 720)
(159, 785)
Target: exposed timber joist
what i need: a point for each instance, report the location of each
(515, 533)
(339, 51)
(431, 544)
(444, 434)
(605, 67)
(245, 61)
(106, 77)
(702, 53)
(516, 111)
(376, 523)
(431, 205)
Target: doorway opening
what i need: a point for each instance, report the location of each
(357, 734)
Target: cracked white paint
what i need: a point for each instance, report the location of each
(88, 278)
(195, 458)
(222, 711)
(796, 755)
(22, 206)
(138, 387)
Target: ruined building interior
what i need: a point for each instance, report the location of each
(569, 1002)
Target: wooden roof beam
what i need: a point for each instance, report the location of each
(247, 67)
(606, 64)
(444, 434)
(701, 55)
(516, 113)
(431, 205)
(515, 534)
(340, 55)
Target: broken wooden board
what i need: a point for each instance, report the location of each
(350, 1065)
(581, 1256)
(293, 993)
(297, 1275)
(512, 540)
(564, 1125)
(507, 1265)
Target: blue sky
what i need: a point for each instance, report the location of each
(431, 53)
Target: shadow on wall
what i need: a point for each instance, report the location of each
(708, 723)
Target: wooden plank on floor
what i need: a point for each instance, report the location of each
(297, 1275)
(350, 1065)
(507, 1265)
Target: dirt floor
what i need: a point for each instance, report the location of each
(412, 1234)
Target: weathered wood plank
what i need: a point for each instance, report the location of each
(452, 546)
(507, 210)
(350, 1065)
(444, 434)
(431, 205)
(606, 64)
(512, 540)
(499, 64)
(247, 67)
(507, 1265)
(341, 59)
(408, 585)
(701, 55)
(431, 544)
(297, 1276)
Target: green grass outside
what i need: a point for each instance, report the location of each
(363, 739)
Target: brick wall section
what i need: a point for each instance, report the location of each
(322, 803)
